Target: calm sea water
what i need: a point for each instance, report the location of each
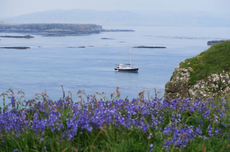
(50, 62)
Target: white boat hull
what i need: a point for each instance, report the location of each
(126, 69)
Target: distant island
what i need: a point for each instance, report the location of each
(15, 47)
(117, 30)
(56, 29)
(105, 38)
(26, 36)
(150, 47)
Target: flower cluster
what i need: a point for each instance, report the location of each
(174, 118)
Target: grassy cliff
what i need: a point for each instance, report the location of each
(214, 60)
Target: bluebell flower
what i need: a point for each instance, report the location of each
(41, 139)
(223, 101)
(204, 137)
(151, 147)
(178, 116)
(166, 130)
(44, 148)
(12, 102)
(210, 131)
(218, 130)
(199, 130)
(150, 136)
(222, 114)
(206, 114)
(216, 119)
(172, 117)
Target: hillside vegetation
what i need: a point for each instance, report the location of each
(212, 61)
(97, 125)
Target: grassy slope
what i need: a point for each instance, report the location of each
(214, 60)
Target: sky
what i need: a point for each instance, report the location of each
(10, 8)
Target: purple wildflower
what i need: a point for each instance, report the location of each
(150, 136)
(210, 131)
(218, 130)
(178, 116)
(12, 102)
(151, 147)
(198, 130)
(41, 140)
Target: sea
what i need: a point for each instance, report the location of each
(86, 62)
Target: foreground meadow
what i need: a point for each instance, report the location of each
(115, 125)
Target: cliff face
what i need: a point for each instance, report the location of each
(215, 85)
(178, 87)
(203, 76)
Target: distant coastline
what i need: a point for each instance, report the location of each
(26, 36)
(56, 29)
(15, 47)
(116, 30)
(150, 47)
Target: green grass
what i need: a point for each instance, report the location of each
(214, 60)
(118, 138)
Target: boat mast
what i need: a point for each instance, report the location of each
(120, 57)
(130, 56)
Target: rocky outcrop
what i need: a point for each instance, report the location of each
(213, 86)
(177, 87)
(216, 41)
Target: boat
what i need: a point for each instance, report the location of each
(126, 67)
